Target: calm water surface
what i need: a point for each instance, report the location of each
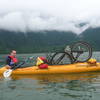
(84, 86)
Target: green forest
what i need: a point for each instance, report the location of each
(45, 41)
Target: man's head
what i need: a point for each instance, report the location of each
(13, 53)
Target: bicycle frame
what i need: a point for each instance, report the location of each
(69, 52)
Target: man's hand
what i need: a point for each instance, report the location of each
(8, 67)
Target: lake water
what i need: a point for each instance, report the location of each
(84, 86)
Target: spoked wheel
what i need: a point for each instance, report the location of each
(61, 58)
(81, 52)
(49, 57)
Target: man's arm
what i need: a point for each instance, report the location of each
(8, 60)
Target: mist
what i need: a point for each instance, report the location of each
(48, 15)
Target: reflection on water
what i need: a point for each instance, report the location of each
(84, 86)
(51, 87)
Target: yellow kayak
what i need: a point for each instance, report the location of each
(56, 69)
(58, 77)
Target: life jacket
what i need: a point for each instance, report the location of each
(14, 59)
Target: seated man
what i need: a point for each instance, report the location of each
(11, 60)
(42, 63)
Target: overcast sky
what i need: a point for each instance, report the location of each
(37, 15)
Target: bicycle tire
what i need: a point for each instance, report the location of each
(85, 56)
(61, 58)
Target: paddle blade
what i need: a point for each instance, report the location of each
(7, 73)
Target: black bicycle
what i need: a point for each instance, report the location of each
(77, 52)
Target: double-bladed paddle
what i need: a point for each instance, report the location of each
(8, 72)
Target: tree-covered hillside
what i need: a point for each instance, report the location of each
(34, 41)
(45, 41)
(93, 37)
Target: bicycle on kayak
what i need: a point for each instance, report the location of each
(78, 52)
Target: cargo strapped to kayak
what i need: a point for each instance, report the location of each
(77, 52)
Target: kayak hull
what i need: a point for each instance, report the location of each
(55, 69)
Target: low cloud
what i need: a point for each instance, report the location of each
(41, 15)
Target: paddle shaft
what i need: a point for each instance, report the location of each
(8, 72)
(20, 64)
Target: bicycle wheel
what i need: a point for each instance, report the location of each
(49, 57)
(61, 58)
(81, 51)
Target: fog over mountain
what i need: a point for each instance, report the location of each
(47, 41)
(47, 25)
(49, 15)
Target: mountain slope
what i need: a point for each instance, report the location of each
(45, 41)
(34, 41)
(93, 37)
